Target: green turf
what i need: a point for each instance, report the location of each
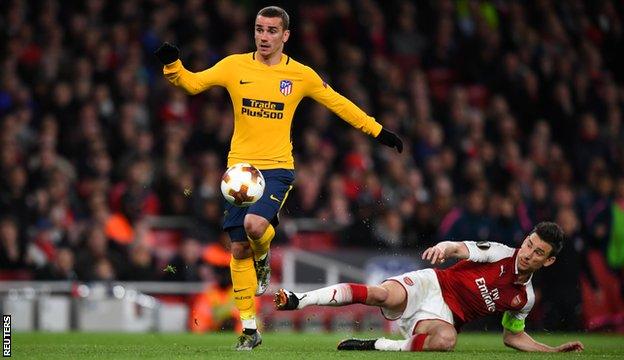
(280, 346)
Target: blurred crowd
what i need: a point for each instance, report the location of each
(511, 112)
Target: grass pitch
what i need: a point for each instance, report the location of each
(283, 346)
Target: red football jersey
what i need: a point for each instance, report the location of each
(486, 283)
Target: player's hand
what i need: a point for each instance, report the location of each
(167, 53)
(434, 254)
(570, 346)
(390, 139)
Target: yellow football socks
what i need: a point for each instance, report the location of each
(245, 283)
(261, 246)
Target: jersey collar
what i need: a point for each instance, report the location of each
(285, 59)
(516, 270)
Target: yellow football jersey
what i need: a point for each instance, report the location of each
(264, 99)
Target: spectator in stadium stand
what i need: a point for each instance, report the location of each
(103, 270)
(431, 305)
(208, 219)
(539, 203)
(564, 277)
(14, 193)
(98, 247)
(360, 232)
(471, 222)
(209, 126)
(188, 265)
(589, 146)
(62, 267)
(422, 228)
(608, 230)
(12, 249)
(506, 228)
(141, 265)
(134, 197)
(306, 194)
(388, 230)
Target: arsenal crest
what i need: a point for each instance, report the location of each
(516, 301)
(408, 281)
(286, 87)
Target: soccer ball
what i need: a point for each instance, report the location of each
(242, 184)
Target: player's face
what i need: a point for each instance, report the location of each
(534, 253)
(270, 35)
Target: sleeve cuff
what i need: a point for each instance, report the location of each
(173, 67)
(512, 323)
(471, 245)
(376, 128)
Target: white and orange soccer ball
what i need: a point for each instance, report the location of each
(242, 184)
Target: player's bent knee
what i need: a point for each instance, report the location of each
(241, 250)
(395, 294)
(255, 226)
(442, 342)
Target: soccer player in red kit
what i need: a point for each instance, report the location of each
(430, 304)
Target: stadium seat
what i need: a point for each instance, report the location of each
(6, 275)
(607, 311)
(314, 241)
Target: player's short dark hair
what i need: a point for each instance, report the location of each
(551, 233)
(276, 11)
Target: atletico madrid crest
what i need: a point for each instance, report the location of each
(286, 87)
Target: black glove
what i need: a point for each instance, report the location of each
(389, 138)
(167, 53)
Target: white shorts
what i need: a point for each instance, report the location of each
(424, 301)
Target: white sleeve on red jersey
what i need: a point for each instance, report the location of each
(485, 251)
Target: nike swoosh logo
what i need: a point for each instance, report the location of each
(244, 82)
(273, 197)
(239, 290)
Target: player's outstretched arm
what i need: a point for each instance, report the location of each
(523, 342)
(446, 249)
(191, 82)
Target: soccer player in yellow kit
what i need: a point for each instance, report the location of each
(265, 87)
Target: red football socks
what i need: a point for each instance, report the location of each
(418, 342)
